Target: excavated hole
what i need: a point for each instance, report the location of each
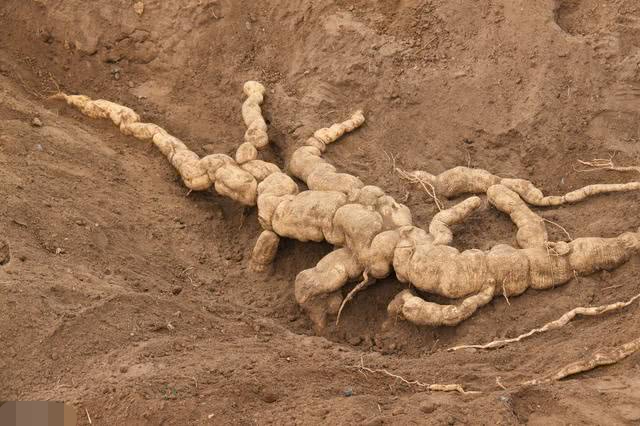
(5, 253)
(584, 17)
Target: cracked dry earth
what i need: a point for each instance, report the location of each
(134, 302)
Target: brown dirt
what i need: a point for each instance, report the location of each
(134, 302)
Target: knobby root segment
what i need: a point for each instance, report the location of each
(420, 312)
(440, 227)
(434, 387)
(308, 165)
(605, 356)
(465, 180)
(237, 179)
(553, 325)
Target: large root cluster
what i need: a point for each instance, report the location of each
(373, 234)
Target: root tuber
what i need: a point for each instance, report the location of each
(371, 231)
(465, 180)
(237, 179)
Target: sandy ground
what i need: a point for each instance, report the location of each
(133, 301)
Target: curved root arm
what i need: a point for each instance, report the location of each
(330, 274)
(237, 179)
(465, 180)
(531, 230)
(421, 312)
(308, 165)
(441, 222)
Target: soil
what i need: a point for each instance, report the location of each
(132, 300)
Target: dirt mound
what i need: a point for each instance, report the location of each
(133, 300)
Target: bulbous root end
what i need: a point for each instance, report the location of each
(414, 309)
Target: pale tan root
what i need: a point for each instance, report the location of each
(464, 180)
(231, 179)
(317, 289)
(420, 312)
(441, 222)
(606, 356)
(330, 274)
(433, 387)
(445, 271)
(264, 252)
(553, 325)
(534, 196)
(607, 164)
(330, 134)
(531, 229)
(308, 165)
(256, 133)
(374, 231)
(366, 282)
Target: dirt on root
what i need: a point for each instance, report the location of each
(132, 299)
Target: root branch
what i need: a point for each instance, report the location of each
(606, 356)
(366, 282)
(553, 325)
(434, 387)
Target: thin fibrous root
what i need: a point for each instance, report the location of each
(606, 356)
(553, 325)
(607, 164)
(559, 226)
(427, 186)
(366, 282)
(434, 387)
